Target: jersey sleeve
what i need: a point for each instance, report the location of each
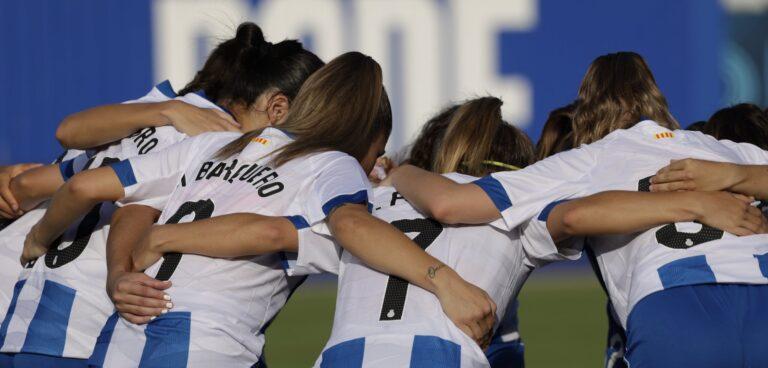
(161, 92)
(341, 181)
(519, 195)
(72, 166)
(538, 245)
(317, 253)
(150, 179)
(748, 153)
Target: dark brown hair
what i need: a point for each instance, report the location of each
(618, 91)
(557, 133)
(342, 107)
(472, 139)
(241, 69)
(697, 126)
(743, 123)
(425, 146)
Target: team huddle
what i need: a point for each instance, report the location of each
(175, 226)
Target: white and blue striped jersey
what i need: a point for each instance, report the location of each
(62, 303)
(636, 265)
(222, 306)
(382, 321)
(11, 244)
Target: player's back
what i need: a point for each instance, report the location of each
(66, 273)
(221, 306)
(674, 254)
(11, 243)
(382, 321)
(636, 265)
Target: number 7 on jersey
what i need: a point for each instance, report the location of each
(397, 288)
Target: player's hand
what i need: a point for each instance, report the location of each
(731, 212)
(468, 306)
(693, 174)
(9, 206)
(192, 120)
(137, 297)
(33, 247)
(147, 251)
(380, 172)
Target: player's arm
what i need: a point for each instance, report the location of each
(620, 212)
(105, 124)
(386, 249)
(137, 297)
(9, 203)
(147, 179)
(443, 199)
(72, 201)
(693, 174)
(36, 185)
(227, 236)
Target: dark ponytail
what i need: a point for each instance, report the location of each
(429, 139)
(241, 69)
(557, 133)
(742, 123)
(342, 107)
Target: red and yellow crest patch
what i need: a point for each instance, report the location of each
(664, 135)
(261, 140)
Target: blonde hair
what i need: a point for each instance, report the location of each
(341, 107)
(617, 91)
(471, 139)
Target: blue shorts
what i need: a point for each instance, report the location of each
(6, 360)
(506, 354)
(703, 326)
(617, 339)
(24, 360)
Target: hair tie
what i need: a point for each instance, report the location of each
(501, 164)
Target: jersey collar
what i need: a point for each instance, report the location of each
(201, 94)
(166, 89)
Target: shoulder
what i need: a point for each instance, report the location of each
(460, 178)
(207, 143)
(332, 159)
(216, 137)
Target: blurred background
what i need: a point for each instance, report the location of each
(58, 57)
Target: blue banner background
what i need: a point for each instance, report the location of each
(60, 57)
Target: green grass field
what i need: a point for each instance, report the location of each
(562, 321)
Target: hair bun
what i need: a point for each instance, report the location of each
(250, 35)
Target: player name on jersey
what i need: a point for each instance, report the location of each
(263, 177)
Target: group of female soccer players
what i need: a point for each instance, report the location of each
(259, 172)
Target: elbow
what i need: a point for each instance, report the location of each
(21, 186)
(571, 221)
(442, 207)
(445, 213)
(281, 237)
(344, 223)
(64, 133)
(82, 189)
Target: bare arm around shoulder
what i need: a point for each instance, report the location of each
(443, 199)
(72, 201)
(227, 236)
(105, 124)
(623, 212)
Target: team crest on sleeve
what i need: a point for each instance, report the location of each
(260, 140)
